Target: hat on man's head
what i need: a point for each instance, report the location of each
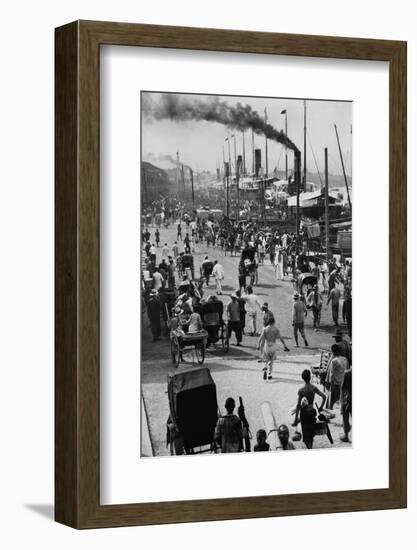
(265, 304)
(233, 296)
(295, 295)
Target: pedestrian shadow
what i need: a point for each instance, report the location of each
(228, 288)
(282, 380)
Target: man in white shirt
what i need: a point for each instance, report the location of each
(218, 274)
(252, 302)
(165, 251)
(158, 280)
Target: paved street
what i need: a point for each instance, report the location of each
(237, 373)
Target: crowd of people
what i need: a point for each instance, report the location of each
(247, 314)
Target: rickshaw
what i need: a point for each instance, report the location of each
(181, 340)
(194, 412)
(212, 317)
(306, 281)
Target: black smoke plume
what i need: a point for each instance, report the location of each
(239, 117)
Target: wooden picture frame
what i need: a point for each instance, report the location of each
(77, 384)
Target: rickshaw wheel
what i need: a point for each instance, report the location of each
(175, 352)
(200, 352)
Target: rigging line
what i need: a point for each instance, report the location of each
(347, 157)
(279, 159)
(314, 157)
(338, 164)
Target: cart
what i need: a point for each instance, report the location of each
(305, 282)
(212, 317)
(194, 412)
(182, 341)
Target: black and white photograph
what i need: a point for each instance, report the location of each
(246, 274)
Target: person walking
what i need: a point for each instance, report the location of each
(187, 247)
(347, 311)
(175, 250)
(344, 347)
(252, 302)
(218, 274)
(233, 316)
(284, 262)
(280, 264)
(152, 254)
(315, 301)
(157, 238)
(179, 232)
(206, 268)
(299, 313)
(335, 373)
(305, 410)
(158, 279)
(266, 315)
(171, 274)
(268, 343)
(153, 308)
(242, 311)
(242, 274)
(346, 404)
(165, 251)
(334, 298)
(228, 433)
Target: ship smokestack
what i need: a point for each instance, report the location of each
(258, 157)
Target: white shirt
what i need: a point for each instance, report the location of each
(218, 272)
(157, 280)
(251, 302)
(152, 250)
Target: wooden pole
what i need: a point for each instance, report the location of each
(266, 148)
(244, 154)
(253, 153)
(192, 186)
(286, 148)
(297, 159)
(228, 179)
(343, 168)
(305, 148)
(236, 177)
(326, 195)
(183, 182)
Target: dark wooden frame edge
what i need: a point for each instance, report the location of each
(77, 378)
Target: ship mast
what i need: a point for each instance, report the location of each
(343, 168)
(305, 149)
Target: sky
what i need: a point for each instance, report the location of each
(200, 142)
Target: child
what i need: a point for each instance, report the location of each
(261, 444)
